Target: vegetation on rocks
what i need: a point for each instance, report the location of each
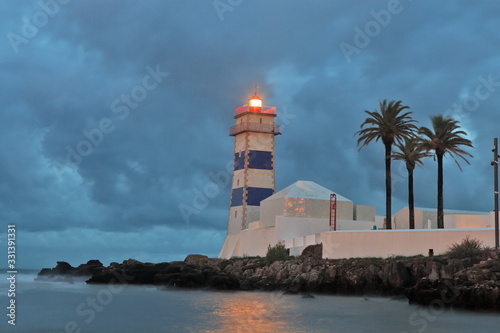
(276, 253)
(468, 248)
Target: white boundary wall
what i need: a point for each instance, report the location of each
(298, 233)
(386, 243)
(255, 242)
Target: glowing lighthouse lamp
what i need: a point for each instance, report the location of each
(255, 103)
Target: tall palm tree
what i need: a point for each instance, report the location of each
(389, 124)
(445, 137)
(411, 152)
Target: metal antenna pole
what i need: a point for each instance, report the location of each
(495, 167)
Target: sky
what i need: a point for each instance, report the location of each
(115, 115)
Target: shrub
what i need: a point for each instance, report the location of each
(276, 253)
(489, 253)
(469, 248)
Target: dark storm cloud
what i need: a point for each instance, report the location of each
(169, 147)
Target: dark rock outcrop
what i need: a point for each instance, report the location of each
(313, 251)
(424, 280)
(302, 275)
(195, 271)
(475, 287)
(65, 272)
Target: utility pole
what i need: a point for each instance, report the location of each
(495, 176)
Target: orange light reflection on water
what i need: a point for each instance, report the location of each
(250, 314)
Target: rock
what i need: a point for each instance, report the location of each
(88, 268)
(94, 262)
(224, 263)
(398, 276)
(473, 288)
(114, 265)
(196, 259)
(141, 273)
(228, 269)
(223, 282)
(495, 268)
(313, 251)
(435, 268)
(129, 272)
(64, 272)
(276, 266)
(314, 280)
(106, 275)
(424, 292)
(45, 272)
(130, 262)
(182, 280)
(239, 263)
(62, 268)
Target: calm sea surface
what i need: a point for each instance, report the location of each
(43, 307)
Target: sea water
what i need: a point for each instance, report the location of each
(57, 307)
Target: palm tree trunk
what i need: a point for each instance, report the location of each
(410, 199)
(388, 188)
(440, 216)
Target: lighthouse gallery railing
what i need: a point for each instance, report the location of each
(254, 127)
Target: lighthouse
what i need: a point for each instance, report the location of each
(253, 168)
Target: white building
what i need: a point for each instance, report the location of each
(293, 216)
(426, 218)
(304, 213)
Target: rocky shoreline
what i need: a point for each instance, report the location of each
(469, 284)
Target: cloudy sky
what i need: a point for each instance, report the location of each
(115, 114)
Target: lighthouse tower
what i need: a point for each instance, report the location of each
(253, 168)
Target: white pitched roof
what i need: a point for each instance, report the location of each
(307, 190)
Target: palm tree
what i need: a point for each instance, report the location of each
(445, 137)
(412, 153)
(388, 124)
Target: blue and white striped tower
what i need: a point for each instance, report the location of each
(253, 169)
